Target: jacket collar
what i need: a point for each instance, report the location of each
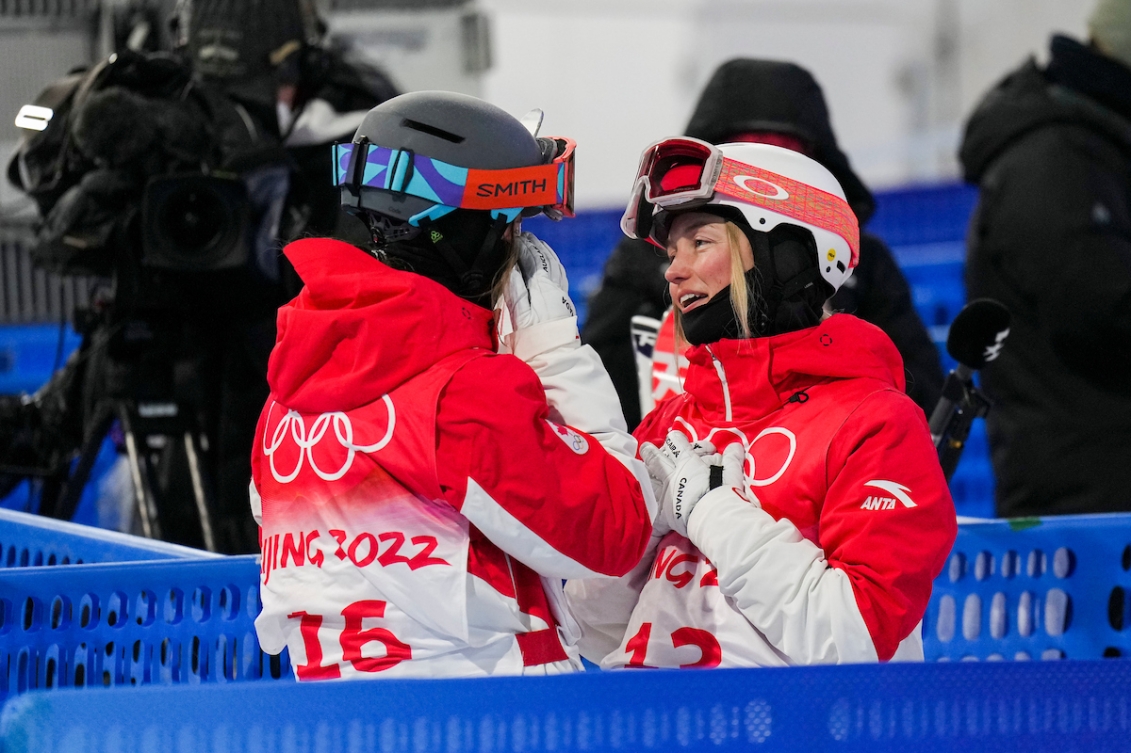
(745, 380)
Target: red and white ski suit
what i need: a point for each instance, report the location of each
(419, 498)
(855, 519)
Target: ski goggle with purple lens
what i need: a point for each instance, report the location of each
(359, 166)
(682, 173)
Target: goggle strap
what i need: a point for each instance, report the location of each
(522, 186)
(403, 169)
(356, 166)
(516, 188)
(644, 215)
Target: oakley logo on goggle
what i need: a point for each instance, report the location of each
(761, 187)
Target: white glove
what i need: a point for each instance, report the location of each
(537, 290)
(681, 476)
(536, 299)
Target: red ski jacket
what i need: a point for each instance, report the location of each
(418, 505)
(852, 521)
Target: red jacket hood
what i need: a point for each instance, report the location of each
(359, 329)
(762, 373)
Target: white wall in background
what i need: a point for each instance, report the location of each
(900, 76)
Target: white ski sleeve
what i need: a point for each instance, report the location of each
(536, 323)
(256, 503)
(781, 582)
(602, 607)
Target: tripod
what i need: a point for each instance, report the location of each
(151, 430)
(123, 372)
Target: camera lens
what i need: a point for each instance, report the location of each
(195, 223)
(195, 219)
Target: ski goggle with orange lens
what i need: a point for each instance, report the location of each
(358, 166)
(682, 173)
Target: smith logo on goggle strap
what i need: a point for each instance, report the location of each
(370, 166)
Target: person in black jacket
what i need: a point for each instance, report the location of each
(781, 104)
(1050, 149)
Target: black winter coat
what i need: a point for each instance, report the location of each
(877, 292)
(1051, 239)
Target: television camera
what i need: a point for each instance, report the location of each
(167, 191)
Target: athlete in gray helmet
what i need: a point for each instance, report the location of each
(439, 451)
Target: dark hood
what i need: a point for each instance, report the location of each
(765, 95)
(1079, 86)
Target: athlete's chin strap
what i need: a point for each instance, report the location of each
(476, 278)
(787, 294)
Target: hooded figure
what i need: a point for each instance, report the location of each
(781, 104)
(1050, 149)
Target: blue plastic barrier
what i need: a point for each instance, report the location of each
(170, 622)
(1034, 588)
(1056, 706)
(30, 352)
(33, 541)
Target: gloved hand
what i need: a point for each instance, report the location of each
(681, 476)
(537, 290)
(536, 295)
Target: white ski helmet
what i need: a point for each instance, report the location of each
(766, 185)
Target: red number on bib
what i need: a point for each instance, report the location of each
(711, 653)
(352, 638)
(638, 645)
(313, 669)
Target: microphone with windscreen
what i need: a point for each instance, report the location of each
(976, 337)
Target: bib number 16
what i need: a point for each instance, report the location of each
(352, 639)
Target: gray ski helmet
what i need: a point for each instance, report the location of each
(453, 128)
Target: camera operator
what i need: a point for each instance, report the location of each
(302, 96)
(168, 175)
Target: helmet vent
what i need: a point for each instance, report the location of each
(439, 133)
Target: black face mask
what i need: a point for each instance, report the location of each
(715, 320)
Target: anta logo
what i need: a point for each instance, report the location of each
(515, 188)
(878, 503)
(898, 492)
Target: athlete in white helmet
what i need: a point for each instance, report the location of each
(803, 511)
(439, 451)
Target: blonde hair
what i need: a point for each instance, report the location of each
(502, 277)
(739, 292)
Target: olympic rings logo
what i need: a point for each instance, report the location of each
(292, 424)
(749, 446)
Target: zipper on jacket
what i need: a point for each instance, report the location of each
(722, 378)
(801, 396)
